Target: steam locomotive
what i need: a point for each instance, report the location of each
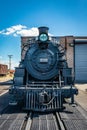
(43, 79)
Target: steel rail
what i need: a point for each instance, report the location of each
(29, 121)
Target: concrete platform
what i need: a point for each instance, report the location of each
(4, 89)
(81, 98)
(82, 87)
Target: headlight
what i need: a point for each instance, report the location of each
(43, 37)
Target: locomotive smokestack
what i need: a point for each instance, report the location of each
(43, 30)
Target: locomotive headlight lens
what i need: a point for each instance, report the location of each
(43, 37)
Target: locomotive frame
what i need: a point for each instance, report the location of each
(43, 79)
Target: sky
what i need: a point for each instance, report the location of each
(23, 17)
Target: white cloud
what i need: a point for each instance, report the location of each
(18, 27)
(15, 35)
(12, 29)
(28, 32)
(20, 30)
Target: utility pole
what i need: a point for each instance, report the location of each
(10, 57)
(0, 59)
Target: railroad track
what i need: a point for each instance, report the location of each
(12, 118)
(46, 121)
(72, 118)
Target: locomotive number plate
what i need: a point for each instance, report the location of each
(43, 60)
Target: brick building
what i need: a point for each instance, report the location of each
(76, 53)
(76, 48)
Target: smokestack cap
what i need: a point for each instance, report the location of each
(43, 30)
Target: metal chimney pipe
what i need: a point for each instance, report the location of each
(43, 30)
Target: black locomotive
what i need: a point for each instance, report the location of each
(43, 79)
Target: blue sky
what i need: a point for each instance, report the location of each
(22, 17)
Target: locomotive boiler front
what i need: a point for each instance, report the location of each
(43, 79)
(41, 59)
